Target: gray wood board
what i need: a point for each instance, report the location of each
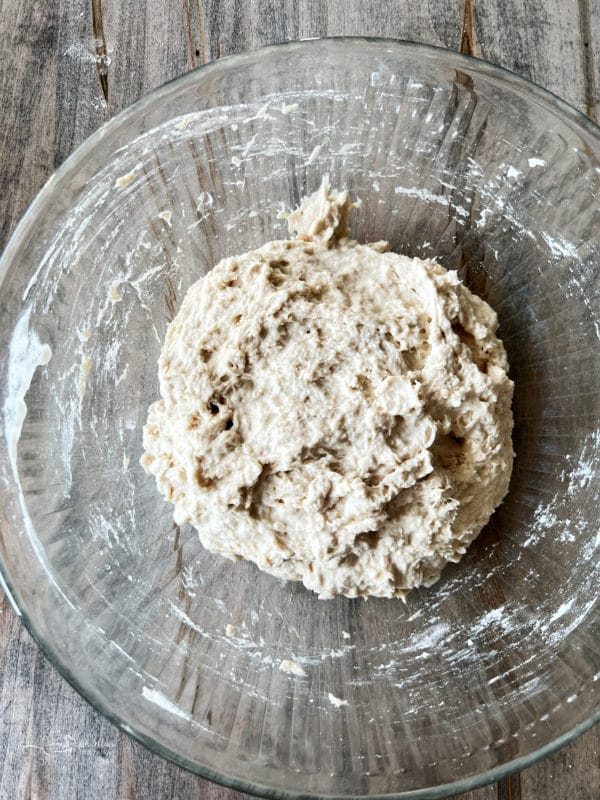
(69, 65)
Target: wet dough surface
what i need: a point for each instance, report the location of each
(336, 413)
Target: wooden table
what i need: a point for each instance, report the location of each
(66, 66)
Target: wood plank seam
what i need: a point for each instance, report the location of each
(469, 43)
(100, 46)
(201, 32)
(190, 35)
(509, 788)
(587, 58)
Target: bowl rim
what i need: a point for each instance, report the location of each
(79, 154)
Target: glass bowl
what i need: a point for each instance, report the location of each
(488, 670)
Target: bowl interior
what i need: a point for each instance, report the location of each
(452, 159)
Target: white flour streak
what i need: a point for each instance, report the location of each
(560, 247)
(249, 145)
(554, 637)
(422, 194)
(183, 617)
(159, 699)
(26, 354)
(120, 650)
(336, 701)
(502, 617)
(562, 610)
(544, 517)
(338, 653)
(187, 578)
(584, 471)
(314, 154)
(429, 638)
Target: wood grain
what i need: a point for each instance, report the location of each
(69, 65)
(29, 48)
(590, 37)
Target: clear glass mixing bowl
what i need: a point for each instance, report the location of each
(491, 668)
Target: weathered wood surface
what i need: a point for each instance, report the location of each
(66, 66)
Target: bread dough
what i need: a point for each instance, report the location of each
(336, 413)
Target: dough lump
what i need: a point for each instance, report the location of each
(336, 413)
